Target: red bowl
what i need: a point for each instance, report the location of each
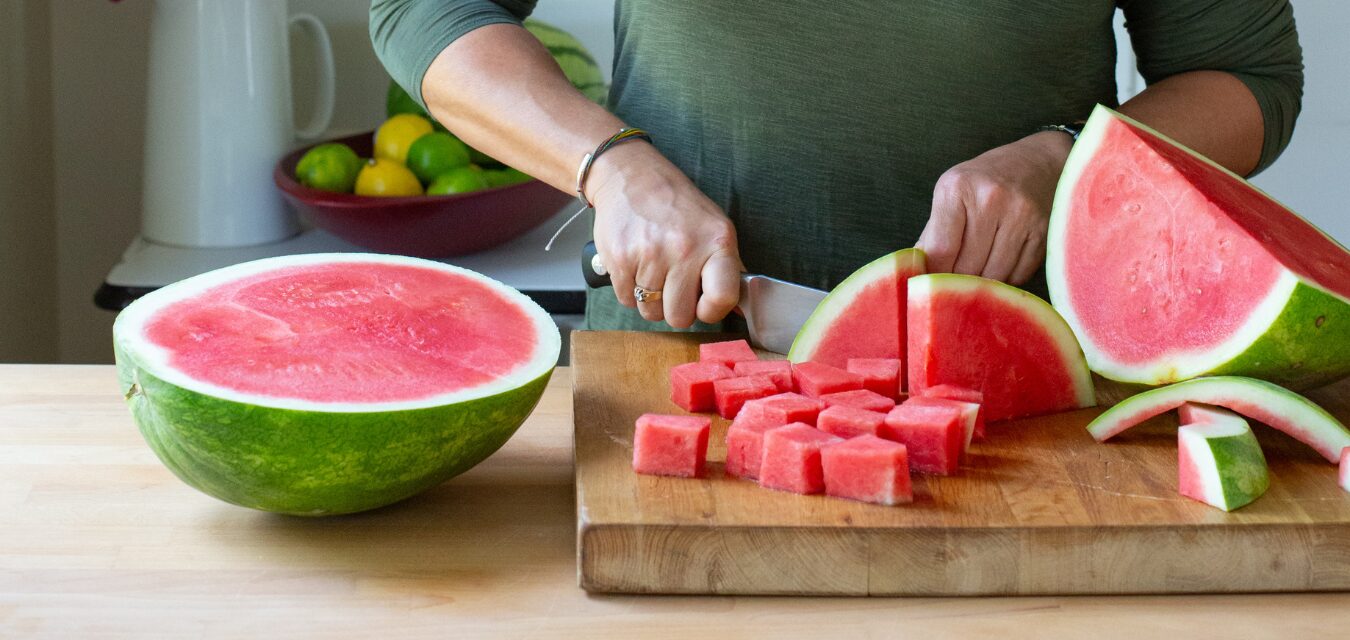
(421, 226)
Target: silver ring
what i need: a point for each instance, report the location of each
(643, 294)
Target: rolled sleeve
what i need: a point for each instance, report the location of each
(409, 34)
(1254, 40)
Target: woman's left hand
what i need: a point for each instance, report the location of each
(990, 213)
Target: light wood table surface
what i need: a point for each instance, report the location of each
(98, 539)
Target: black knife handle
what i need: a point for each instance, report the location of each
(593, 268)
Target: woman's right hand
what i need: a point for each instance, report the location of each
(654, 228)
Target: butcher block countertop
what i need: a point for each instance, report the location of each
(98, 539)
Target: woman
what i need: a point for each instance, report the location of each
(803, 139)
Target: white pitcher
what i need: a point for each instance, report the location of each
(219, 117)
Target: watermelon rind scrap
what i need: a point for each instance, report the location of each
(312, 458)
(1230, 467)
(841, 298)
(1298, 336)
(1257, 399)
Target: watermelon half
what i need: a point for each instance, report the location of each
(331, 383)
(1270, 403)
(1169, 267)
(996, 339)
(863, 317)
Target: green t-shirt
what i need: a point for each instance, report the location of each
(821, 127)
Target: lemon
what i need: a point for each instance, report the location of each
(330, 167)
(387, 178)
(434, 154)
(459, 180)
(398, 133)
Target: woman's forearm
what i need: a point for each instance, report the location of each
(1210, 111)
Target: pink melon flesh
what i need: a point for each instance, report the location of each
(691, 385)
(816, 379)
(346, 332)
(785, 408)
(864, 317)
(666, 445)
(867, 469)
(791, 459)
(880, 375)
(1344, 470)
(780, 371)
(850, 422)
(731, 394)
(933, 434)
(745, 442)
(860, 398)
(728, 353)
(954, 392)
(970, 414)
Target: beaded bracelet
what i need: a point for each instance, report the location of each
(626, 133)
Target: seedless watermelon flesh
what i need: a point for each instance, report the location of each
(863, 317)
(998, 340)
(1220, 463)
(1168, 267)
(331, 383)
(1257, 399)
(1344, 471)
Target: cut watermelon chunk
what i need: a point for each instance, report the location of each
(780, 371)
(996, 339)
(954, 392)
(786, 408)
(880, 375)
(850, 422)
(933, 433)
(1269, 403)
(1199, 412)
(1220, 463)
(791, 458)
(730, 394)
(970, 414)
(863, 317)
(691, 385)
(728, 353)
(670, 445)
(815, 379)
(860, 398)
(1168, 267)
(745, 442)
(1344, 470)
(330, 383)
(867, 469)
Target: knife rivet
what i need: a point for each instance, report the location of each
(598, 266)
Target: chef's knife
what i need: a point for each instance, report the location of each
(774, 310)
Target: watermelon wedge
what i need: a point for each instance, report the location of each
(998, 340)
(331, 383)
(1220, 463)
(863, 317)
(1269, 403)
(1169, 267)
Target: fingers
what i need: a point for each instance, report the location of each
(1004, 252)
(721, 280)
(651, 275)
(1032, 255)
(680, 295)
(942, 236)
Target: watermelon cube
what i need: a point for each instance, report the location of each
(881, 375)
(970, 414)
(731, 394)
(850, 422)
(670, 445)
(868, 469)
(745, 442)
(791, 458)
(691, 385)
(727, 353)
(815, 379)
(934, 434)
(956, 392)
(786, 408)
(860, 398)
(778, 370)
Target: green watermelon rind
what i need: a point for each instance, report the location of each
(839, 299)
(1299, 336)
(305, 458)
(1230, 461)
(573, 58)
(1260, 400)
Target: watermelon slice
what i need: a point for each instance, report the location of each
(1168, 267)
(850, 422)
(1219, 462)
(791, 458)
(881, 375)
(863, 317)
(867, 469)
(691, 385)
(670, 445)
(1269, 403)
(780, 371)
(953, 392)
(1344, 471)
(331, 383)
(996, 339)
(860, 398)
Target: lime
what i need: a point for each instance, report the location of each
(503, 177)
(434, 154)
(398, 101)
(398, 133)
(330, 167)
(480, 158)
(459, 180)
(386, 178)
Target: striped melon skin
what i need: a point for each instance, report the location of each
(1220, 463)
(576, 61)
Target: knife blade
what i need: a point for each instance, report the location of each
(774, 309)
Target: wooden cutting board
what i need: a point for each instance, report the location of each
(1040, 508)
